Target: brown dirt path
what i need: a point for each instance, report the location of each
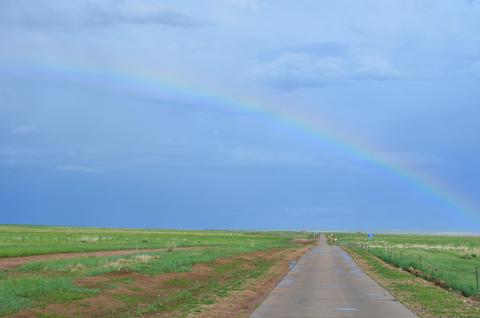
(12, 262)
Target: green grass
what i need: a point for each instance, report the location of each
(19, 292)
(53, 281)
(447, 260)
(428, 300)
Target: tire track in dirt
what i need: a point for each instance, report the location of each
(12, 262)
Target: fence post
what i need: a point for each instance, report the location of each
(476, 276)
(420, 258)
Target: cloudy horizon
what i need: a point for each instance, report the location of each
(179, 114)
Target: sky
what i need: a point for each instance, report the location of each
(241, 114)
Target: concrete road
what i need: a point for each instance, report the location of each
(327, 283)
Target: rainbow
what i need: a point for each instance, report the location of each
(437, 189)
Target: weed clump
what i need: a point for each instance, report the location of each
(468, 256)
(127, 265)
(77, 268)
(171, 246)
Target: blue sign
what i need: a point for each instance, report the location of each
(371, 235)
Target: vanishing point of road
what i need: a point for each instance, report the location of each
(327, 283)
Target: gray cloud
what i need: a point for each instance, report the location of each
(83, 169)
(248, 156)
(472, 67)
(16, 155)
(163, 16)
(199, 105)
(414, 159)
(24, 130)
(324, 49)
(66, 14)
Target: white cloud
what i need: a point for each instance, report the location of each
(24, 130)
(297, 70)
(294, 70)
(373, 67)
(247, 4)
(84, 169)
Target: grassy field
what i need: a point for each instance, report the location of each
(449, 261)
(35, 240)
(126, 281)
(426, 300)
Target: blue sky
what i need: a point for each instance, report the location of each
(120, 113)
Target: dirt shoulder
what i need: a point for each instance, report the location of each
(243, 303)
